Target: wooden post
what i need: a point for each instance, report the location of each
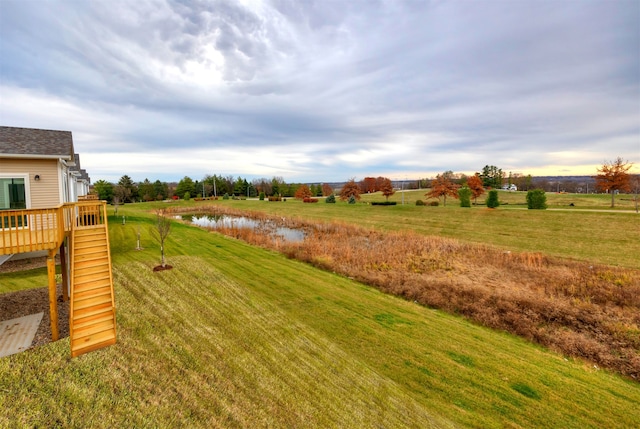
(63, 269)
(53, 302)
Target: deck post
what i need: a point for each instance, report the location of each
(53, 302)
(63, 269)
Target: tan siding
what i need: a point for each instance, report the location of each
(44, 192)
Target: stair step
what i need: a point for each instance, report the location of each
(91, 263)
(89, 246)
(91, 311)
(96, 269)
(92, 292)
(93, 301)
(92, 343)
(92, 235)
(90, 315)
(88, 330)
(89, 278)
(102, 317)
(86, 287)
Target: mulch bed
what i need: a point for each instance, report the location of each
(32, 301)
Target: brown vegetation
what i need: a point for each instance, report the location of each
(581, 310)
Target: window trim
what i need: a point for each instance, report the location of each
(27, 185)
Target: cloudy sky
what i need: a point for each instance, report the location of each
(326, 90)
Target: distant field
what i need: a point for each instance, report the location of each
(237, 336)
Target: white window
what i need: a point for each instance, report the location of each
(13, 193)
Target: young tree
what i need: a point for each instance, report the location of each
(350, 189)
(302, 192)
(475, 185)
(614, 177)
(386, 187)
(536, 199)
(492, 176)
(161, 231)
(464, 193)
(443, 186)
(492, 200)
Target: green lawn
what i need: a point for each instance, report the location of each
(236, 336)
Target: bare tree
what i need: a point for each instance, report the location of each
(161, 231)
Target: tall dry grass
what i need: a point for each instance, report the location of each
(581, 310)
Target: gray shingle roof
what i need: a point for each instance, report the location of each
(31, 141)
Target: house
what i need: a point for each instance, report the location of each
(41, 183)
(38, 168)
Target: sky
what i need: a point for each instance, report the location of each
(326, 90)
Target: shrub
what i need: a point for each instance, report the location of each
(420, 203)
(536, 199)
(383, 203)
(309, 200)
(352, 199)
(464, 194)
(275, 198)
(330, 199)
(492, 199)
(434, 203)
(187, 196)
(225, 196)
(261, 197)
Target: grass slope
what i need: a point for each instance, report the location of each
(236, 336)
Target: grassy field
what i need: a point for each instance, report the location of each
(237, 336)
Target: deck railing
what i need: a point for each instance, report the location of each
(32, 230)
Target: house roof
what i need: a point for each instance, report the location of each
(81, 172)
(35, 143)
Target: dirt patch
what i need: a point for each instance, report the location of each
(161, 268)
(31, 301)
(13, 266)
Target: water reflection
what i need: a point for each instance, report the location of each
(263, 226)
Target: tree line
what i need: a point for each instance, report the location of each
(612, 177)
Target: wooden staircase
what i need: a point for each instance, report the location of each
(92, 323)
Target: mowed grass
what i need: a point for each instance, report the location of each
(237, 336)
(597, 236)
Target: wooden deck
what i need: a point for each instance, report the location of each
(23, 231)
(82, 226)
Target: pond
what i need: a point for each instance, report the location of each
(238, 222)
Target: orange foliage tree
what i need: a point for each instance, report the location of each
(475, 184)
(368, 185)
(386, 187)
(613, 177)
(350, 188)
(326, 190)
(303, 192)
(443, 186)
